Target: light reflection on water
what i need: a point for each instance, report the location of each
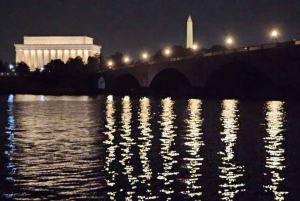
(167, 151)
(111, 147)
(231, 173)
(11, 143)
(54, 158)
(126, 148)
(145, 139)
(274, 147)
(193, 142)
(59, 150)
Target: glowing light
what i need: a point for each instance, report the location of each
(274, 33)
(275, 117)
(167, 51)
(230, 171)
(145, 138)
(110, 63)
(193, 142)
(111, 149)
(167, 151)
(126, 59)
(126, 145)
(229, 40)
(110, 98)
(11, 66)
(195, 47)
(145, 56)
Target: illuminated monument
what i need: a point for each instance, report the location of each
(189, 33)
(38, 51)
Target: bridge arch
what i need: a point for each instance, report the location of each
(125, 84)
(238, 80)
(170, 82)
(101, 83)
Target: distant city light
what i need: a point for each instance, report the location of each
(126, 59)
(145, 55)
(167, 51)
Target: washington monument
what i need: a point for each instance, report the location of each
(189, 33)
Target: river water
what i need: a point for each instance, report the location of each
(122, 148)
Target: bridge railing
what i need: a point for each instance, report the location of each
(229, 51)
(251, 48)
(2, 74)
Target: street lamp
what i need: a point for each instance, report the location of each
(167, 51)
(274, 34)
(126, 59)
(229, 41)
(110, 63)
(145, 56)
(195, 47)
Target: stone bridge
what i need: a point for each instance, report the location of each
(256, 69)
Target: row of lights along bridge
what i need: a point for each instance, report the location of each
(229, 41)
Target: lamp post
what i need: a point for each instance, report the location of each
(167, 52)
(229, 41)
(126, 60)
(145, 56)
(274, 35)
(195, 47)
(110, 64)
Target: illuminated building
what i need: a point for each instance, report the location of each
(189, 33)
(38, 51)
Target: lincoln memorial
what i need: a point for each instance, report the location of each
(38, 51)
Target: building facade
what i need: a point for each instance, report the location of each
(38, 51)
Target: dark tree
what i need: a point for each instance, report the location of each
(217, 48)
(117, 59)
(75, 65)
(22, 68)
(4, 66)
(55, 66)
(93, 64)
(158, 56)
(179, 51)
(102, 62)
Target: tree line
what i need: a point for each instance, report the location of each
(76, 66)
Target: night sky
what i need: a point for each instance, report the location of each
(132, 26)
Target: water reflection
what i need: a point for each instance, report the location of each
(145, 139)
(111, 149)
(273, 143)
(56, 151)
(10, 132)
(193, 142)
(53, 149)
(126, 149)
(168, 176)
(230, 173)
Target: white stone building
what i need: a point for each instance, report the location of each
(40, 50)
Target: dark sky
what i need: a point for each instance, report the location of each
(132, 26)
